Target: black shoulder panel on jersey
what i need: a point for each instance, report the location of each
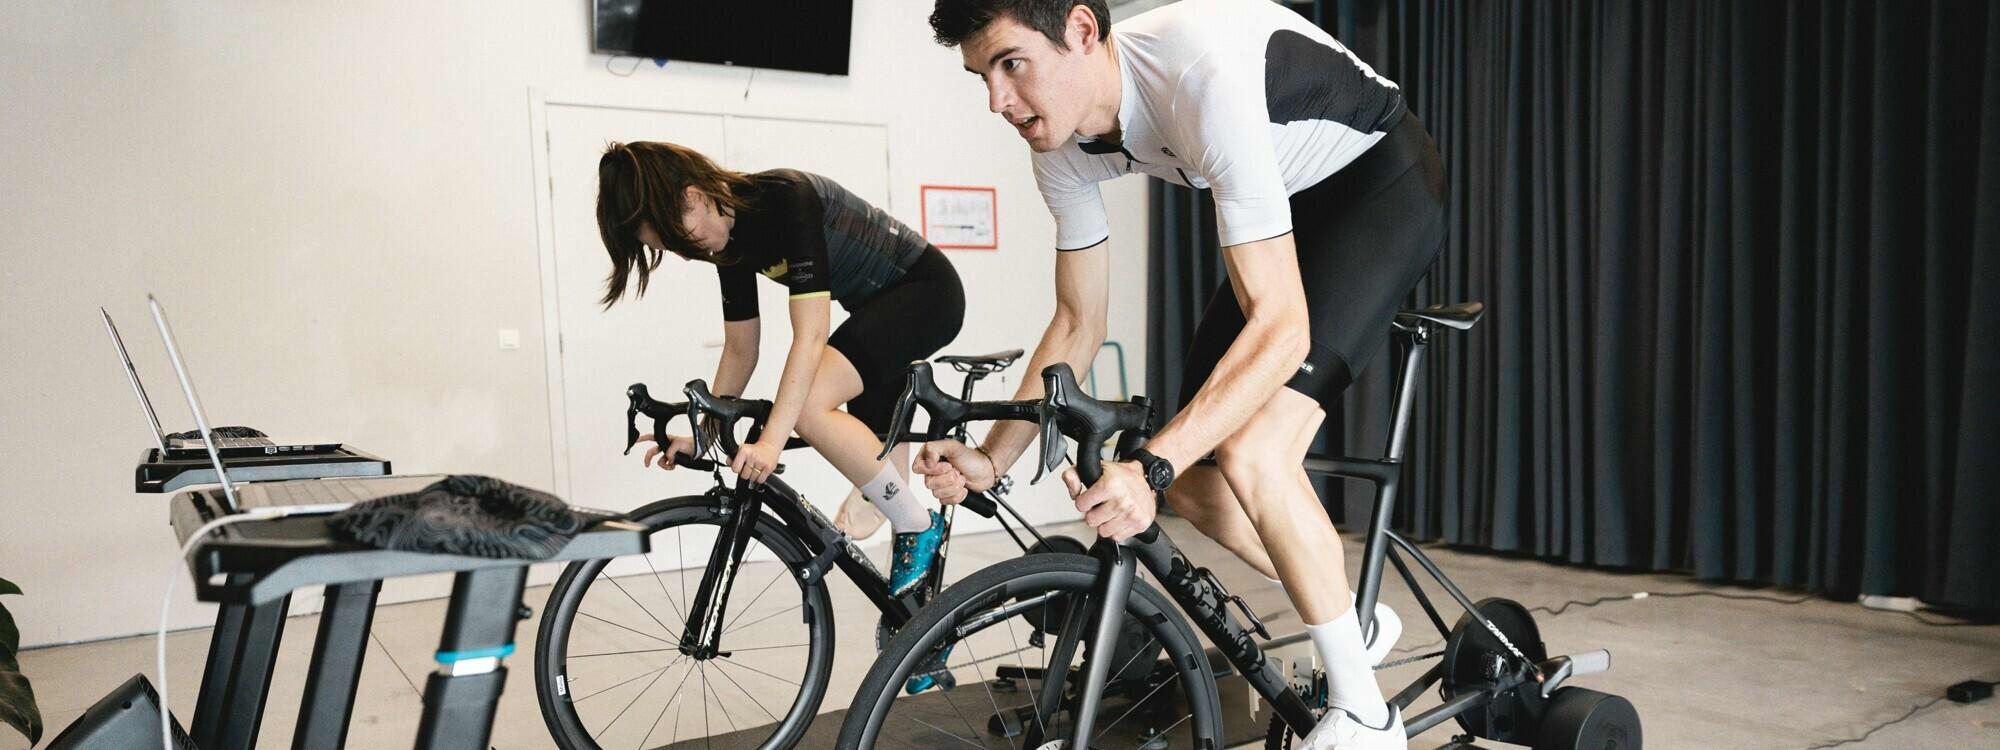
(1306, 80)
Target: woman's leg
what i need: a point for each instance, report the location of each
(851, 447)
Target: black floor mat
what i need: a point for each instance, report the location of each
(967, 712)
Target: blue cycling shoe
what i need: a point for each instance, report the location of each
(913, 554)
(934, 674)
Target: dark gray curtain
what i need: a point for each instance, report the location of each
(1742, 263)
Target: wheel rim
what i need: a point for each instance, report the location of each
(983, 712)
(621, 679)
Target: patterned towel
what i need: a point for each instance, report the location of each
(464, 514)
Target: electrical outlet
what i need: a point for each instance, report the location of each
(510, 339)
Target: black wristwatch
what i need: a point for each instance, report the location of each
(1159, 471)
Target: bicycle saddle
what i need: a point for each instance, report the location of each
(989, 362)
(1460, 316)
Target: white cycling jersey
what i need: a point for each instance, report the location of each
(1243, 97)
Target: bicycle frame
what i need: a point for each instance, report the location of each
(746, 505)
(831, 548)
(1203, 599)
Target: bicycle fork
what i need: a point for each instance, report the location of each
(703, 637)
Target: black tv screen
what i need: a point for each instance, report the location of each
(808, 35)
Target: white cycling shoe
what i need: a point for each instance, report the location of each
(1339, 730)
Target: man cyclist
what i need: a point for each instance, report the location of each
(1329, 201)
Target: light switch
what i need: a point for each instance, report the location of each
(510, 339)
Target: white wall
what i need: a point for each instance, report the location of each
(335, 200)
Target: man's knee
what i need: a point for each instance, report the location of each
(1259, 473)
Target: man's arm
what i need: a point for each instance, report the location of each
(1275, 340)
(1074, 335)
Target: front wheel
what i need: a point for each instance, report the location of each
(1013, 633)
(609, 671)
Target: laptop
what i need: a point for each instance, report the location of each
(182, 449)
(299, 496)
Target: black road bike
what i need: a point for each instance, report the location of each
(1081, 614)
(731, 611)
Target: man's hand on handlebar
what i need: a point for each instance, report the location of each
(951, 470)
(1119, 505)
(675, 447)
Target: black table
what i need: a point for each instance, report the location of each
(251, 569)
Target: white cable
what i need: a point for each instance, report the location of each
(166, 712)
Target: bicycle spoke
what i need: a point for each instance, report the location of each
(983, 684)
(767, 648)
(762, 672)
(628, 706)
(801, 604)
(642, 675)
(663, 587)
(947, 733)
(1031, 680)
(649, 613)
(677, 712)
(718, 704)
(620, 653)
(675, 644)
(753, 600)
(954, 709)
(707, 733)
(739, 688)
(663, 714)
(1135, 706)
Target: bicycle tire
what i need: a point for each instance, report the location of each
(553, 646)
(1017, 579)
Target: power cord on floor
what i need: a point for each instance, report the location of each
(1883, 727)
(398, 665)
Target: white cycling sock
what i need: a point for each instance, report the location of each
(1350, 677)
(891, 496)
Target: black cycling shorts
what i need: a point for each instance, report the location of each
(1365, 235)
(908, 320)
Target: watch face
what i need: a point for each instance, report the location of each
(1160, 474)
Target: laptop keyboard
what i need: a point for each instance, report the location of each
(196, 443)
(318, 492)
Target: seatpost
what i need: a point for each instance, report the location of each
(1418, 337)
(1369, 586)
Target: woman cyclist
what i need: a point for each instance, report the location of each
(802, 230)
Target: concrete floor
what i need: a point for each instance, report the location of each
(1704, 672)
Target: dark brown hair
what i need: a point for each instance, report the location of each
(646, 182)
(954, 21)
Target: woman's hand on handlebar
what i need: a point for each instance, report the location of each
(754, 462)
(952, 470)
(1120, 505)
(675, 447)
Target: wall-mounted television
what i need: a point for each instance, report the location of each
(807, 35)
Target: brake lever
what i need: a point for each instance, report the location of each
(631, 428)
(1054, 446)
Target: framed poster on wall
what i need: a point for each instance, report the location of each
(961, 218)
